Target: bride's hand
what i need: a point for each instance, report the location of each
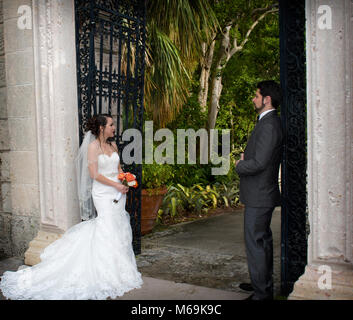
(121, 188)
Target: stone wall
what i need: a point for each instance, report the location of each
(5, 196)
(20, 214)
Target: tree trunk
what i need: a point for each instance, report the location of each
(206, 64)
(217, 78)
(232, 130)
(227, 50)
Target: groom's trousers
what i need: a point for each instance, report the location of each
(259, 250)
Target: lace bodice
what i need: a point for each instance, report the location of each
(100, 163)
(108, 165)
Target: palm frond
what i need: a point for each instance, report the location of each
(187, 23)
(175, 31)
(166, 78)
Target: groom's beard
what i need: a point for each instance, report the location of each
(259, 109)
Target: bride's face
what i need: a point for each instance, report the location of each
(109, 129)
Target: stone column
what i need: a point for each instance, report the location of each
(5, 181)
(56, 119)
(19, 160)
(329, 272)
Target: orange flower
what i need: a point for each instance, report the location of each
(130, 177)
(121, 176)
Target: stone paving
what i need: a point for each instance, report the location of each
(208, 253)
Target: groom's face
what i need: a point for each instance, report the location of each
(258, 101)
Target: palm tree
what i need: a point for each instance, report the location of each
(176, 30)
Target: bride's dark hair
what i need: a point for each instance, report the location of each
(95, 122)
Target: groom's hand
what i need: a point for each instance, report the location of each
(241, 158)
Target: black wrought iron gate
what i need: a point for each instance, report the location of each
(293, 114)
(110, 48)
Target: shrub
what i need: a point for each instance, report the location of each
(156, 175)
(181, 200)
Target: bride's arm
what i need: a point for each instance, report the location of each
(119, 168)
(105, 180)
(93, 170)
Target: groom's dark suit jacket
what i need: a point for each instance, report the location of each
(258, 171)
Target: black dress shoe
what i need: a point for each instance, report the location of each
(246, 287)
(249, 297)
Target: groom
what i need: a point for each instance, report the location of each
(259, 190)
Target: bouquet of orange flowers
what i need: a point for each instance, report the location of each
(128, 179)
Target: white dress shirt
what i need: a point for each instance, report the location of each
(264, 113)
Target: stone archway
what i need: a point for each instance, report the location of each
(329, 52)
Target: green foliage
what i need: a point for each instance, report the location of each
(175, 30)
(199, 199)
(191, 174)
(231, 176)
(229, 193)
(259, 60)
(186, 22)
(168, 77)
(156, 175)
(191, 116)
(184, 199)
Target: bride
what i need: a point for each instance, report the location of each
(93, 259)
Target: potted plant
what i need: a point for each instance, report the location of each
(154, 186)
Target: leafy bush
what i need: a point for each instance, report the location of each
(229, 193)
(181, 200)
(231, 176)
(156, 175)
(191, 174)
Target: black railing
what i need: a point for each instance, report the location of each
(293, 115)
(110, 49)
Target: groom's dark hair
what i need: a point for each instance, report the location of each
(272, 89)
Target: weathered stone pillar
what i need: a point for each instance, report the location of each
(19, 167)
(56, 119)
(329, 272)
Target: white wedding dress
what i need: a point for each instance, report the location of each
(92, 260)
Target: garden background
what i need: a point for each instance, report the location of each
(203, 61)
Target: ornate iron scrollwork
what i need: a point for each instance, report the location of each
(293, 168)
(110, 49)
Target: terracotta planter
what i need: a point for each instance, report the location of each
(151, 200)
